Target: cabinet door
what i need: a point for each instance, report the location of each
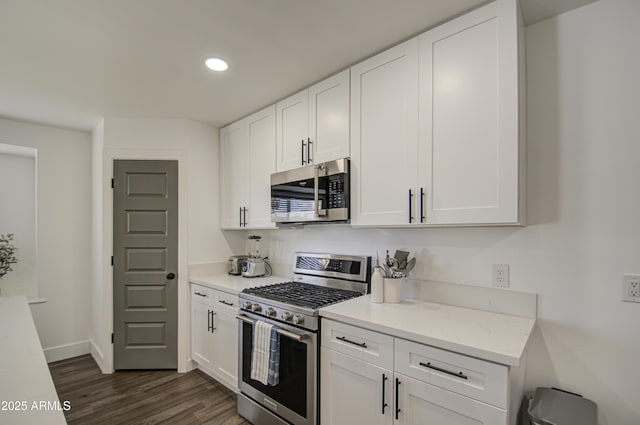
(424, 404)
(225, 348)
(329, 118)
(292, 130)
(234, 174)
(384, 133)
(201, 336)
(262, 154)
(469, 139)
(351, 391)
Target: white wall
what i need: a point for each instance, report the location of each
(18, 217)
(64, 233)
(583, 212)
(195, 145)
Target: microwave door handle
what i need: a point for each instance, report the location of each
(316, 189)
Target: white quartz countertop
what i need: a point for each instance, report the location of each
(27, 393)
(233, 284)
(496, 337)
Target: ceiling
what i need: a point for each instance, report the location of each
(68, 63)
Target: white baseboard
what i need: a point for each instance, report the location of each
(97, 355)
(66, 351)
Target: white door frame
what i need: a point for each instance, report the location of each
(109, 156)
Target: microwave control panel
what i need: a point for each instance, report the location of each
(337, 193)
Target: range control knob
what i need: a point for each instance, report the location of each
(286, 316)
(271, 312)
(298, 319)
(247, 305)
(257, 308)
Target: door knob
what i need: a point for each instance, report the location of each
(171, 276)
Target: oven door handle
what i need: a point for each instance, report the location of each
(291, 335)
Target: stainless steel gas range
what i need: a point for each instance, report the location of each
(292, 307)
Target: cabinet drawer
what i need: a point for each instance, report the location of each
(202, 294)
(471, 377)
(359, 343)
(225, 301)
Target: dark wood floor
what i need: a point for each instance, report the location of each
(141, 397)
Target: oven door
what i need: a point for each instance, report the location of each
(294, 398)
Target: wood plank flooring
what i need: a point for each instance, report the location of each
(141, 397)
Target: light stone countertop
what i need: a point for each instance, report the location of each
(218, 278)
(24, 374)
(500, 338)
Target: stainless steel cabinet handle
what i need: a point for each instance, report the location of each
(384, 380)
(302, 152)
(309, 157)
(213, 325)
(410, 206)
(199, 294)
(359, 344)
(225, 303)
(457, 375)
(397, 397)
(240, 218)
(244, 213)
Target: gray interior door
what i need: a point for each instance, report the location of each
(145, 264)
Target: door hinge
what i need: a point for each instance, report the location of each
(113, 184)
(112, 260)
(112, 338)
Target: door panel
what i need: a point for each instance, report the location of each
(145, 250)
(384, 136)
(292, 128)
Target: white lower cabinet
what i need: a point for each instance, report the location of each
(353, 391)
(443, 388)
(201, 337)
(424, 404)
(214, 334)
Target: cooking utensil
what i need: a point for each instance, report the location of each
(410, 265)
(401, 256)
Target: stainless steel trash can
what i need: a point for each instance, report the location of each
(551, 406)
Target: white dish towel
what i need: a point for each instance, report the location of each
(261, 351)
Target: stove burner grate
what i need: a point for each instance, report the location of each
(302, 294)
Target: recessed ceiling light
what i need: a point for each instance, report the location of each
(216, 64)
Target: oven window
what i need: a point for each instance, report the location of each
(292, 389)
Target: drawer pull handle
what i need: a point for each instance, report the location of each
(199, 294)
(359, 344)
(226, 303)
(457, 375)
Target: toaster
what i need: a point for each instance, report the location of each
(236, 263)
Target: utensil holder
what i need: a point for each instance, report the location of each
(393, 289)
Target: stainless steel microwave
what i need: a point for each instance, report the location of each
(315, 193)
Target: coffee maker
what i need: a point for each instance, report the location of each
(254, 266)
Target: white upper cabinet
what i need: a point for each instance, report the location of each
(262, 140)
(292, 131)
(469, 147)
(436, 126)
(234, 176)
(313, 125)
(329, 118)
(247, 160)
(384, 136)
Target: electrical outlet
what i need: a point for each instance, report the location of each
(631, 288)
(501, 275)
